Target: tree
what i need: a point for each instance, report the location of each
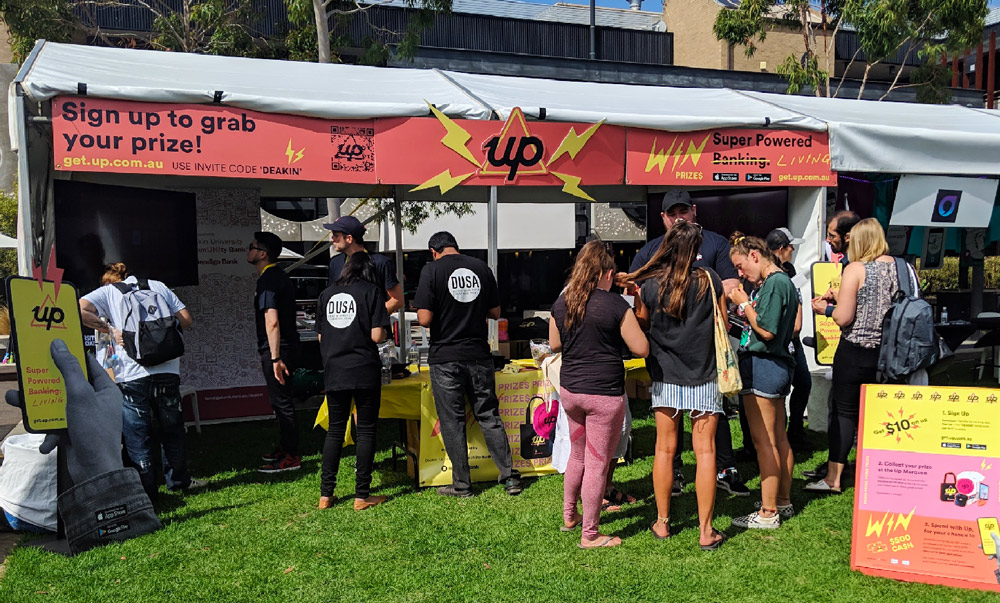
(929, 28)
(8, 226)
(319, 14)
(225, 27)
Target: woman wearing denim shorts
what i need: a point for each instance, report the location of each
(677, 309)
(767, 365)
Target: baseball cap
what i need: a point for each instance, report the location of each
(675, 197)
(347, 225)
(779, 237)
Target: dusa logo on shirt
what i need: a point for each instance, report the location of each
(464, 285)
(341, 310)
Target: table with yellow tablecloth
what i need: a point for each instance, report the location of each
(519, 394)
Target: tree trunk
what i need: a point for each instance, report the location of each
(322, 32)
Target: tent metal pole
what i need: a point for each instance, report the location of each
(492, 257)
(25, 230)
(404, 333)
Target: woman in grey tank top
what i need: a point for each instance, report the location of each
(858, 306)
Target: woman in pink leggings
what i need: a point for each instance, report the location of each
(591, 326)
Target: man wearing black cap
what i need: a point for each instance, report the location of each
(714, 254)
(277, 342)
(347, 236)
(456, 294)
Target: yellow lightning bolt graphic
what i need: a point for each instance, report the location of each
(659, 158)
(291, 153)
(444, 181)
(904, 522)
(986, 466)
(456, 138)
(875, 527)
(573, 143)
(693, 152)
(571, 185)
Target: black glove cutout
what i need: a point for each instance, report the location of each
(92, 439)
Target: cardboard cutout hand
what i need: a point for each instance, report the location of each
(92, 439)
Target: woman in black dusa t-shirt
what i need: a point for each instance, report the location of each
(591, 325)
(350, 320)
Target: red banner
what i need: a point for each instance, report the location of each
(96, 135)
(442, 153)
(729, 158)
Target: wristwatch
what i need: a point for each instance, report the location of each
(828, 312)
(743, 306)
(273, 360)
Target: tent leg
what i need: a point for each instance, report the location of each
(25, 231)
(492, 257)
(404, 333)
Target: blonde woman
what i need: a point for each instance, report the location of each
(859, 306)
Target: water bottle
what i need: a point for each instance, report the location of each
(415, 357)
(386, 375)
(944, 314)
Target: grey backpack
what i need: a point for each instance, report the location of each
(151, 333)
(909, 342)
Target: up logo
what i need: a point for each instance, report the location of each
(341, 310)
(464, 285)
(48, 315)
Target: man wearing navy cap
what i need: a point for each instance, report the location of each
(714, 254)
(347, 235)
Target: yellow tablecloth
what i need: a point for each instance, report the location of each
(401, 398)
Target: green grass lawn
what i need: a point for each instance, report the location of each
(251, 537)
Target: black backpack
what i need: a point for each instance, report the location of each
(909, 342)
(151, 333)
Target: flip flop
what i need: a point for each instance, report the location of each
(572, 528)
(715, 545)
(821, 486)
(610, 507)
(657, 536)
(604, 543)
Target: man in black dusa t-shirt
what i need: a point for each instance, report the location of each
(277, 343)
(456, 295)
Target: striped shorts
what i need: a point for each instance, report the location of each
(697, 399)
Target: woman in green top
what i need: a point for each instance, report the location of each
(773, 317)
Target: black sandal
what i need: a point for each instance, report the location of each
(618, 498)
(715, 545)
(665, 521)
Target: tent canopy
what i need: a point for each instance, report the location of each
(865, 136)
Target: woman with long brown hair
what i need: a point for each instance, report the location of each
(676, 305)
(773, 316)
(591, 326)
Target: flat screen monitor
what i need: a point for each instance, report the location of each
(154, 232)
(752, 212)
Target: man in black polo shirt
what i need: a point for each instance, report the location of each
(714, 254)
(456, 295)
(277, 342)
(347, 236)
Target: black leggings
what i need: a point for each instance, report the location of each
(367, 401)
(853, 366)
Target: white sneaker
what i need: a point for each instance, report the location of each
(786, 511)
(754, 521)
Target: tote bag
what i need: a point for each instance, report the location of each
(726, 366)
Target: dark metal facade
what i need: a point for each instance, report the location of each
(456, 31)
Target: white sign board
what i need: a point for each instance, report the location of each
(943, 202)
